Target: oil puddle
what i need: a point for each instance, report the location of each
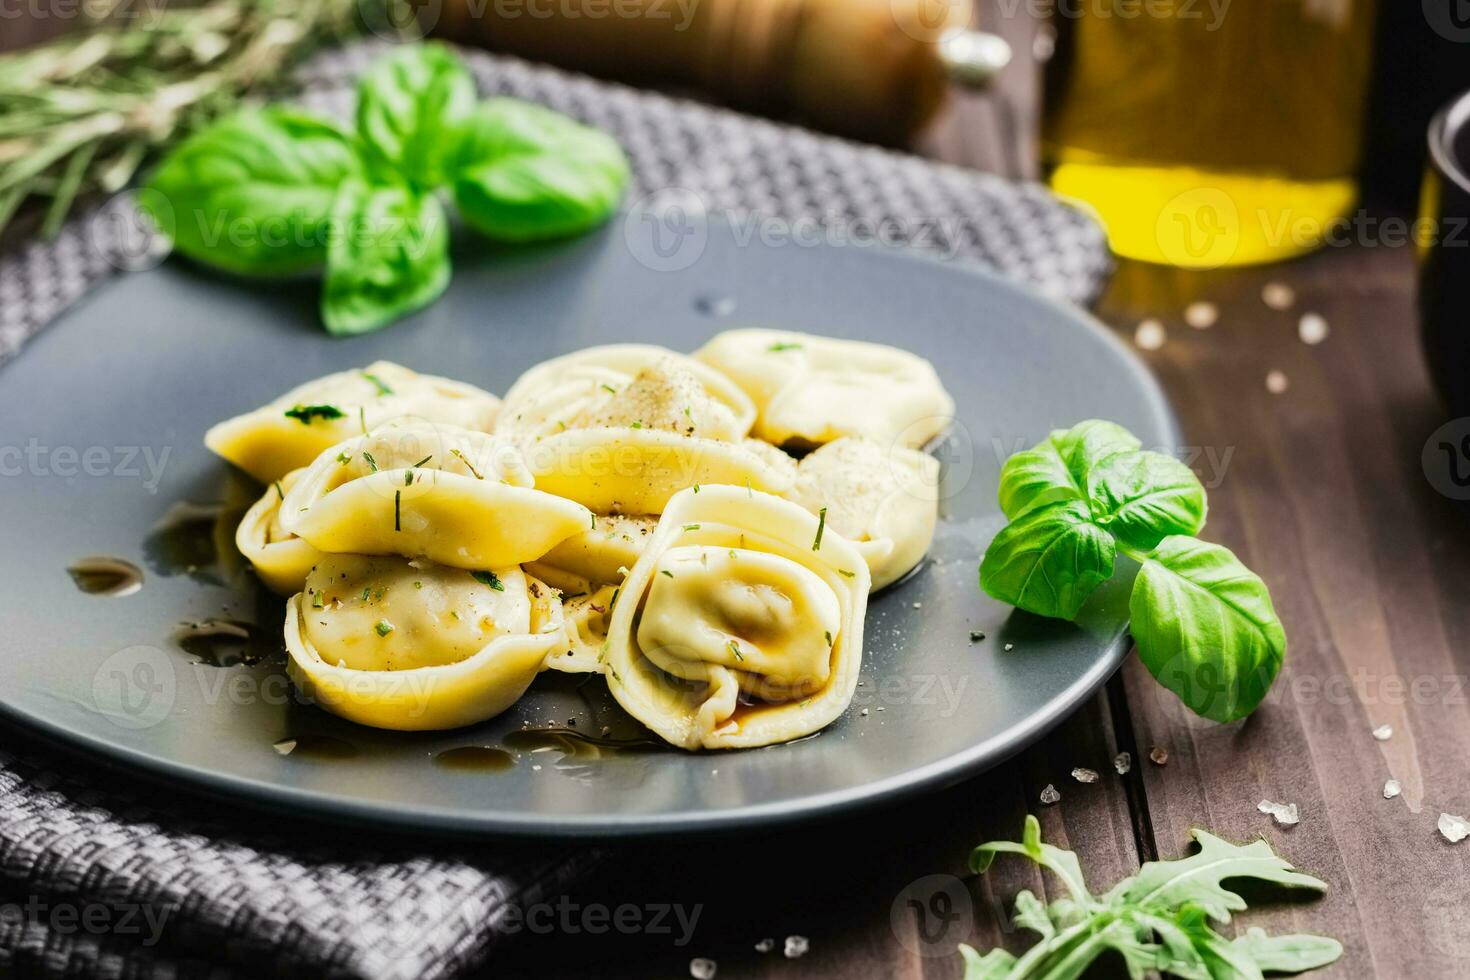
(106, 576)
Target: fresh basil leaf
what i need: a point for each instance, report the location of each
(526, 173)
(1143, 497)
(1205, 628)
(1056, 469)
(389, 256)
(1049, 561)
(253, 192)
(412, 108)
(1288, 954)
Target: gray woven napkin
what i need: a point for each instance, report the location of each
(209, 891)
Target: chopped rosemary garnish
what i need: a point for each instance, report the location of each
(343, 458)
(398, 510)
(367, 457)
(383, 389)
(696, 488)
(383, 627)
(827, 634)
(408, 478)
(279, 492)
(423, 461)
(418, 585)
(781, 345)
(362, 418)
(490, 579)
(316, 601)
(667, 572)
(735, 649)
(305, 413)
(636, 424)
(365, 593)
(691, 527)
(466, 461)
(843, 571)
(608, 387)
(821, 526)
(594, 522)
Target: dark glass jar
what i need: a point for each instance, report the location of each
(1444, 254)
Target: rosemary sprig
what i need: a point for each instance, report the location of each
(81, 115)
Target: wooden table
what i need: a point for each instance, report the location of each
(1323, 495)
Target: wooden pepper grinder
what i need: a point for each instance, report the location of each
(872, 69)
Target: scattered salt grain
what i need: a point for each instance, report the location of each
(864, 712)
(1149, 335)
(1278, 295)
(1391, 789)
(1276, 382)
(796, 947)
(1050, 795)
(918, 605)
(1284, 813)
(1084, 775)
(765, 945)
(1010, 646)
(1123, 763)
(976, 636)
(1383, 733)
(1454, 829)
(1158, 755)
(1312, 328)
(702, 969)
(1201, 316)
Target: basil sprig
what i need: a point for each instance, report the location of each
(277, 191)
(1203, 622)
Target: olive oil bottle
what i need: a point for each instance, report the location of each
(1209, 132)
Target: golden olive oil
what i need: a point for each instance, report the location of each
(1209, 132)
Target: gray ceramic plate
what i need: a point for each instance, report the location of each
(101, 421)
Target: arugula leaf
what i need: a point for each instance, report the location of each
(1205, 628)
(412, 108)
(1143, 497)
(389, 256)
(1157, 920)
(252, 193)
(525, 173)
(1049, 561)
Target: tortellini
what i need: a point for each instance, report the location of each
(297, 427)
(620, 384)
(586, 617)
(413, 646)
(419, 490)
(811, 390)
(597, 556)
(739, 626)
(884, 501)
(280, 558)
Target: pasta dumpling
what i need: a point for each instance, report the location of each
(740, 626)
(598, 555)
(885, 501)
(454, 496)
(414, 646)
(280, 558)
(293, 430)
(586, 619)
(619, 384)
(810, 390)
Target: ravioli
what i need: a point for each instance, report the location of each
(885, 501)
(620, 384)
(597, 556)
(414, 646)
(293, 430)
(738, 627)
(280, 558)
(415, 489)
(586, 618)
(810, 390)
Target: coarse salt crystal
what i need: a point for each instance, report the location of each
(702, 969)
(1049, 795)
(1312, 328)
(1150, 335)
(1158, 755)
(1010, 646)
(1276, 382)
(1201, 315)
(796, 947)
(1391, 789)
(864, 712)
(1278, 295)
(1123, 763)
(1455, 829)
(1284, 813)
(1383, 733)
(1084, 775)
(765, 945)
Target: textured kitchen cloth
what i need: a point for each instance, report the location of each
(242, 894)
(787, 181)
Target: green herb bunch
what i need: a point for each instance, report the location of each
(278, 191)
(81, 115)
(1203, 622)
(1161, 919)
